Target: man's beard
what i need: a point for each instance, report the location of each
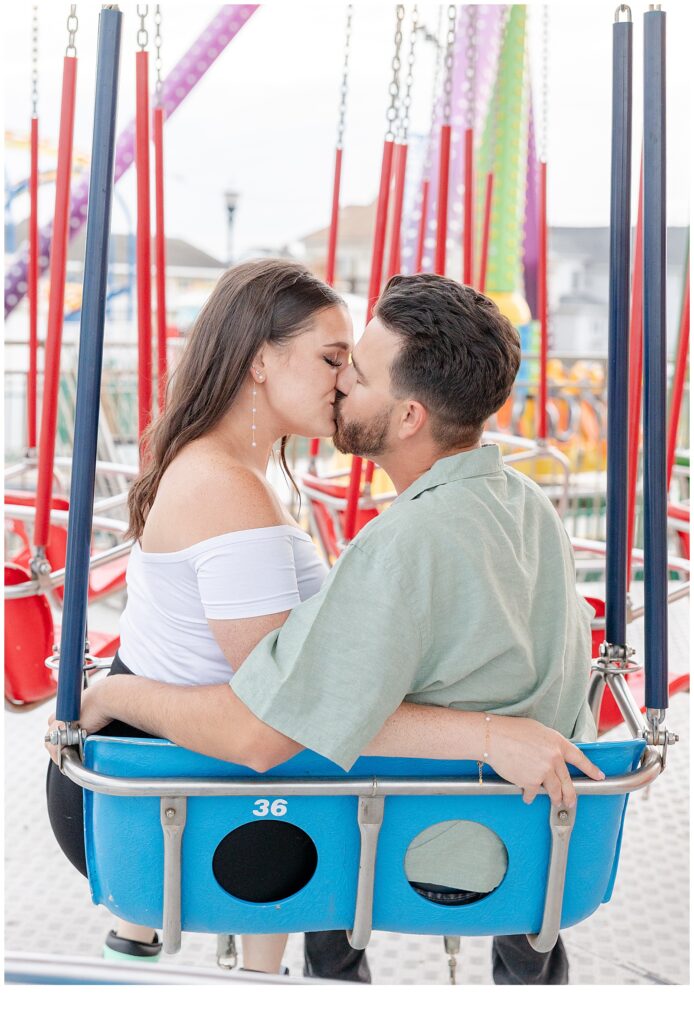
(365, 439)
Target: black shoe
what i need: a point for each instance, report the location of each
(251, 970)
(117, 948)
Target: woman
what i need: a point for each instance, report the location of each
(218, 562)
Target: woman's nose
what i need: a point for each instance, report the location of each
(345, 379)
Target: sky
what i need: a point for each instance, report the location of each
(263, 119)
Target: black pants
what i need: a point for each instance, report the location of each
(326, 954)
(514, 961)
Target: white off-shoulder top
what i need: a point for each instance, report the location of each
(164, 630)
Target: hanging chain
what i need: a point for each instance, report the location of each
(142, 33)
(544, 96)
(157, 49)
(72, 24)
(448, 80)
(343, 87)
(34, 61)
(470, 66)
(409, 79)
(496, 128)
(434, 96)
(394, 87)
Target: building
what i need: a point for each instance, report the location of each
(578, 260)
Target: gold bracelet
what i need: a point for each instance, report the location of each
(485, 752)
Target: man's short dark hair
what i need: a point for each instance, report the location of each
(459, 354)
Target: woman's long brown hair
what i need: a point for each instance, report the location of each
(265, 300)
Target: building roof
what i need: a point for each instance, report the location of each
(179, 253)
(356, 225)
(593, 243)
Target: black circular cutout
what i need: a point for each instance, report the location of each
(265, 861)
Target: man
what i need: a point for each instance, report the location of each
(461, 595)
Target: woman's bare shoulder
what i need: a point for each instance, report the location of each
(205, 493)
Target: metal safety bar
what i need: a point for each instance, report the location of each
(110, 785)
(597, 547)
(61, 516)
(542, 450)
(371, 791)
(65, 461)
(57, 577)
(624, 698)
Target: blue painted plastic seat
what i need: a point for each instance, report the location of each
(124, 845)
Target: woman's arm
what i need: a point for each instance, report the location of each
(238, 637)
(520, 750)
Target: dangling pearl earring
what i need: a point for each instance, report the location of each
(253, 428)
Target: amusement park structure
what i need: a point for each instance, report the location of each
(473, 206)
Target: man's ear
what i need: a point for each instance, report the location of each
(414, 418)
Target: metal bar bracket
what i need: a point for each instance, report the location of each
(370, 818)
(561, 823)
(173, 822)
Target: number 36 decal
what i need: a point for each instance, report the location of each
(278, 808)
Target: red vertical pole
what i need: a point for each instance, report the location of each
(635, 376)
(160, 256)
(442, 204)
(334, 219)
(144, 252)
(379, 243)
(32, 285)
(542, 307)
(468, 231)
(422, 226)
(377, 252)
(56, 304)
(314, 446)
(486, 231)
(400, 161)
(678, 380)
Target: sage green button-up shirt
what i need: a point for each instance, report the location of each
(461, 594)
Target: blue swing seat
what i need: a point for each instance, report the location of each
(125, 845)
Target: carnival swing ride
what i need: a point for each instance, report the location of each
(473, 205)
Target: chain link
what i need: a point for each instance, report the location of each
(448, 80)
(496, 128)
(434, 96)
(544, 74)
(470, 66)
(394, 87)
(72, 25)
(343, 88)
(34, 61)
(409, 80)
(142, 33)
(157, 49)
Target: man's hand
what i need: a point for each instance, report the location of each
(92, 717)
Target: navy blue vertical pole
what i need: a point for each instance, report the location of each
(89, 368)
(655, 366)
(618, 337)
